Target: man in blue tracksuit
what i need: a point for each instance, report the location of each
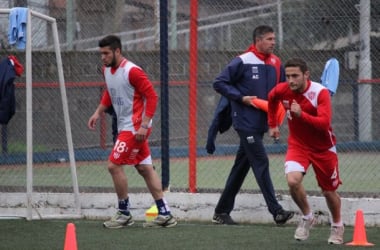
(250, 75)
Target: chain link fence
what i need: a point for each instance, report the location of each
(313, 30)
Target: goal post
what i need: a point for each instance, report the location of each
(29, 111)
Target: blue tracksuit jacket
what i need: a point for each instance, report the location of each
(248, 75)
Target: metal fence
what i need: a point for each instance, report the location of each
(313, 30)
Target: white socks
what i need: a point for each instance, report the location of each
(308, 216)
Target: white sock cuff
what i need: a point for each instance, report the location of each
(337, 224)
(308, 216)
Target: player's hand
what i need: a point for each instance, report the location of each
(92, 121)
(141, 134)
(252, 103)
(295, 108)
(247, 100)
(275, 133)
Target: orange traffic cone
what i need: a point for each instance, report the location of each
(360, 237)
(263, 105)
(260, 104)
(70, 239)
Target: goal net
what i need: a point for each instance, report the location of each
(37, 172)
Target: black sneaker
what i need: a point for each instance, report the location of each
(223, 219)
(283, 216)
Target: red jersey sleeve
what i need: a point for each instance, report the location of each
(140, 81)
(274, 106)
(106, 99)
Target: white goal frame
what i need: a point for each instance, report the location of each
(29, 112)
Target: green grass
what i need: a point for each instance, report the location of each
(20, 147)
(50, 235)
(359, 173)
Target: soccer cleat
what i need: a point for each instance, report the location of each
(303, 229)
(336, 235)
(119, 220)
(162, 221)
(283, 216)
(223, 219)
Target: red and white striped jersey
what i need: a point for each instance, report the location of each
(131, 94)
(313, 128)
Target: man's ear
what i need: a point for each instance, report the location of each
(307, 74)
(118, 51)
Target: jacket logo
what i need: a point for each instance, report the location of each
(311, 95)
(255, 72)
(250, 139)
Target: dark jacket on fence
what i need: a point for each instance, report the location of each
(7, 91)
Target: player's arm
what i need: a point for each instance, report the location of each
(273, 105)
(143, 85)
(224, 83)
(105, 103)
(323, 118)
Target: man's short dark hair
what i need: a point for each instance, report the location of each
(297, 62)
(261, 30)
(112, 41)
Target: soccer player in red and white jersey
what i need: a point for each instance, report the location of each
(134, 100)
(311, 142)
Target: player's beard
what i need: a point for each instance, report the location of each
(302, 87)
(112, 64)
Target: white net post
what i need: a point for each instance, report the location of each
(29, 121)
(29, 112)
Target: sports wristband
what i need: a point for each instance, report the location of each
(144, 126)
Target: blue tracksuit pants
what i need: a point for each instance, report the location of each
(251, 153)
